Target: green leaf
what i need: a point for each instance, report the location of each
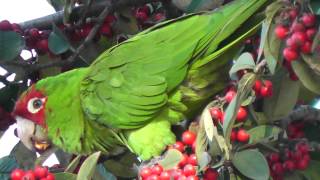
(312, 62)
(11, 44)
(101, 173)
(245, 61)
(244, 89)
(68, 6)
(252, 164)
(315, 5)
(73, 165)
(312, 172)
(283, 100)
(307, 77)
(194, 5)
(87, 169)
(7, 164)
(8, 96)
(57, 41)
(171, 159)
(316, 42)
(24, 157)
(263, 132)
(65, 176)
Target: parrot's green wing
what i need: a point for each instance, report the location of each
(130, 83)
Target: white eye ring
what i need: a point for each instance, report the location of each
(35, 105)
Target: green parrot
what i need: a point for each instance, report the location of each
(133, 92)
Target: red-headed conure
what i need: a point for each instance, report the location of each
(133, 92)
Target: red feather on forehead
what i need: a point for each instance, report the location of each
(21, 107)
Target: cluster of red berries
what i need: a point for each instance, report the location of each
(263, 88)
(39, 173)
(298, 31)
(296, 159)
(295, 130)
(147, 15)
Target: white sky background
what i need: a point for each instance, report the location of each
(17, 11)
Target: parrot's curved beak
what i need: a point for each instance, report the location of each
(32, 135)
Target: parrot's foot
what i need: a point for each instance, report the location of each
(150, 140)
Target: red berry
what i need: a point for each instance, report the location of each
(17, 174)
(105, 30)
(141, 16)
(216, 113)
(297, 155)
(145, 172)
(85, 30)
(233, 136)
(302, 164)
(182, 177)
(309, 20)
(211, 174)
(290, 54)
(194, 147)
(311, 32)
(165, 175)
(40, 172)
(257, 86)
(288, 154)
(50, 177)
(281, 31)
(153, 177)
(43, 45)
(299, 38)
(277, 168)
(297, 27)
(268, 83)
(188, 137)
(306, 157)
(176, 173)
(192, 178)
(16, 27)
(157, 169)
(189, 170)
(5, 25)
(230, 95)
(29, 175)
(274, 157)
(242, 135)
(265, 91)
(110, 19)
(242, 114)
(306, 47)
(289, 165)
(293, 14)
(178, 146)
(192, 159)
(34, 33)
(303, 148)
(291, 44)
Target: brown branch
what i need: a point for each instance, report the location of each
(109, 8)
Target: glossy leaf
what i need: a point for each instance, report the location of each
(307, 77)
(245, 61)
(11, 44)
(171, 159)
(65, 176)
(57, 41)
(7, 164)
(284, 96)
(244, 89)
(263, 132)
(87, 169)
(73, 164)
(252, 164)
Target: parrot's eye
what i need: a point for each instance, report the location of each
(35, 105)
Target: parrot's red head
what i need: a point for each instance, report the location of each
(31, 106)
(29, 113)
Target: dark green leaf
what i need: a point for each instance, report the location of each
(252, 164)
(73, 165)
(24, 157)
(308, 78)
(58, 43)
(68, 6)
(65, 176)
(315, 5)
(312, 172)
(283, 100)
(293, 176)
(63, 157)
(87, 169)
(56, 4)
(312, 62)
(263, 132)
(11, 44)
(101, 173)
(7, 164)
(244, 89)
(171, 159)
(194, 5)
(8, 96)
(245, 61)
